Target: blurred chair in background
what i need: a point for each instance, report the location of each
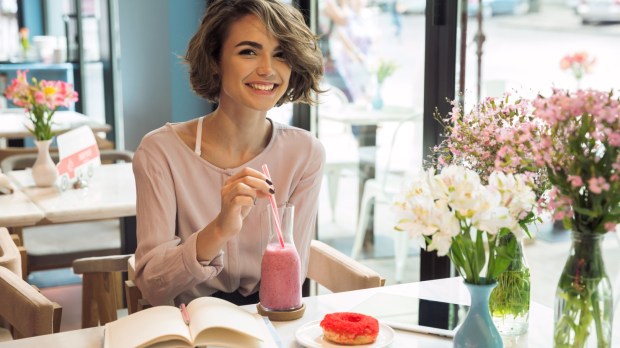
(23, 307)
(11, 254)
(382, 190)
(102, 290)
(336, 135)
(28, 312)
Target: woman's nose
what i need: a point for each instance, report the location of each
(265, 67)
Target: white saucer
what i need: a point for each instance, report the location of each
(311, 336)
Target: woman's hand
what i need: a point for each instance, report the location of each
(239, 195)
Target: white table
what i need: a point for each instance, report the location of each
(17, 210)
(111, 193)
(13, 123)
(539, 335)
(362, 115)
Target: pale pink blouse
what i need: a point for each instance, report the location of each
(178, 194)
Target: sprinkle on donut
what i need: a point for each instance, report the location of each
(350, 328)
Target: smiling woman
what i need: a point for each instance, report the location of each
(200, 190)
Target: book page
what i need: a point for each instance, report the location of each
(218, 322)
(146, 327)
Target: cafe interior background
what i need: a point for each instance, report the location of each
(123, 58)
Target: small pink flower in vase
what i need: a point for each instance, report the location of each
(579, 64)
(40, 100)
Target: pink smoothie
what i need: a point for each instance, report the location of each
(280, 287)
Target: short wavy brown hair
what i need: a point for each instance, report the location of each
(284, 22)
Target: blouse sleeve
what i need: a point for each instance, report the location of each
(305, 198)
(165, 265)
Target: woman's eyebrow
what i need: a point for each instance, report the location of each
(255, 45)
(249, 43)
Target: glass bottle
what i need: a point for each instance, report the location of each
(510, 300)
(280, 286)
(583, 300)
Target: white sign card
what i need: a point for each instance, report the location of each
(79, 155)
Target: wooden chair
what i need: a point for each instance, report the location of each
(23, 307)
(102, 290)
(327, 266)
(51, 254)
(28, 312)
(10, 253)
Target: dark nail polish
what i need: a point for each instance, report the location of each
(272, 191)
(269, 181)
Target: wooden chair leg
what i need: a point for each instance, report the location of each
(107, 301)
(57, 317)
(132, 293)
(101, 296)
(18, 231)
(23, 255)
(89, 305)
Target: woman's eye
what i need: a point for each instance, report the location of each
(247, 52)
(280, 55)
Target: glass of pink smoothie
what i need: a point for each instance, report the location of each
(280, 286)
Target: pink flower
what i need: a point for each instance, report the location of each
(575, 180)
(610, 226)
(41, 100)
(598, 185)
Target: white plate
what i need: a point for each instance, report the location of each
(311, 336)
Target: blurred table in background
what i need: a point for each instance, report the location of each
(13, 123)
(111, 194)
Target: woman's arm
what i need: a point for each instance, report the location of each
(165, 265)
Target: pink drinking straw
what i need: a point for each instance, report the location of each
(274, 208)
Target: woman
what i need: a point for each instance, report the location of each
(199, 186)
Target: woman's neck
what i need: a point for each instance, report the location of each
(231, 138)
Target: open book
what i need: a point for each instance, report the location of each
(213, 322)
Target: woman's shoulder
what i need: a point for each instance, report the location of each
(292, 133)
(156, 136)
(294, 138)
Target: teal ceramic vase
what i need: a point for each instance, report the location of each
(478, 329)
(377, 99)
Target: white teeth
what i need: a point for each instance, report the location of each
(262, 87)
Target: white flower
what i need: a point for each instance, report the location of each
(442, 242)
(516, 194)
(492, 215)
(460, 187)
(415, 216)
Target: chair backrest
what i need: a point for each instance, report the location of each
(339, 272)
(28, 311)
(10, 256)
(102, 292)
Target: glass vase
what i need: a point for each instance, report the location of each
(478, 330)
(583, 300)
(510, 300)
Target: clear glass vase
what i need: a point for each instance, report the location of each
(583, 300)
(510, 300)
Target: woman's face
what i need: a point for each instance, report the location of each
(253, 70)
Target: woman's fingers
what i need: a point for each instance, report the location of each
(253, 179)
